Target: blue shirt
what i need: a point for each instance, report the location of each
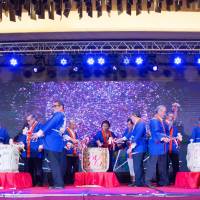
(34, 144)
(157, 129)
(196, 134)
(138, 136)
(53, 140)
(4, 137)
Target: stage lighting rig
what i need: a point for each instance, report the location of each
(39, 65)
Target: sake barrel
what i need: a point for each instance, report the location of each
(95, 159)
(193, 157)
(9, 158)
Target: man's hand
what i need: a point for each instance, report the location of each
(35, 136)
(68, 146)
(40, 148)
(165, 139)
(11, 141)
(99, 144)
(180, 137)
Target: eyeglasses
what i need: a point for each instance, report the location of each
(55, 105)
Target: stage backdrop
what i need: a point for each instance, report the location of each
(91, 102)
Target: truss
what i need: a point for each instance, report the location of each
(99, 46)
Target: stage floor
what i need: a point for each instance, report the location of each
(101, 193)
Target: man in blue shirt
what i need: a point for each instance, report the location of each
(53, 143)
(138, 139)
(32, 154)
(71, 151)
(126, 145)
(175, 140)
(196, 132)
(158, 148)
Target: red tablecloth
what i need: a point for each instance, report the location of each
(188, 179)
(15, 180)
(105, 179)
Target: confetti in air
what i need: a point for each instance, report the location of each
(91, 102)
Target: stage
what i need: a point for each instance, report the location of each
(89, 193)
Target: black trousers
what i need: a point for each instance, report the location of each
(55, 164)
(157, 170)
(111, 160)
(72, 167)
(138, 168)
(34, 167)
(174, 158)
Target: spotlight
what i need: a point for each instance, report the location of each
(101, 61)
(13, 62)
(38, 69)
(126, 61)
(177, 60)
(139, 60)
(198, 61)
(155, 68)
(90, 61)
(114, 68)
(63, 62)
(75, 69)
(35, 69)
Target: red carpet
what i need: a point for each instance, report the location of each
(101, 193)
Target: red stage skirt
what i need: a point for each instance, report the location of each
(105, 179)
(15, 180)
(188, 180)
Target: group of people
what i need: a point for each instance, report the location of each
(58, 142)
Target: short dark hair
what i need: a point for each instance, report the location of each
(129, 120)
(136, 114)
(59, 103)
(105, 122)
